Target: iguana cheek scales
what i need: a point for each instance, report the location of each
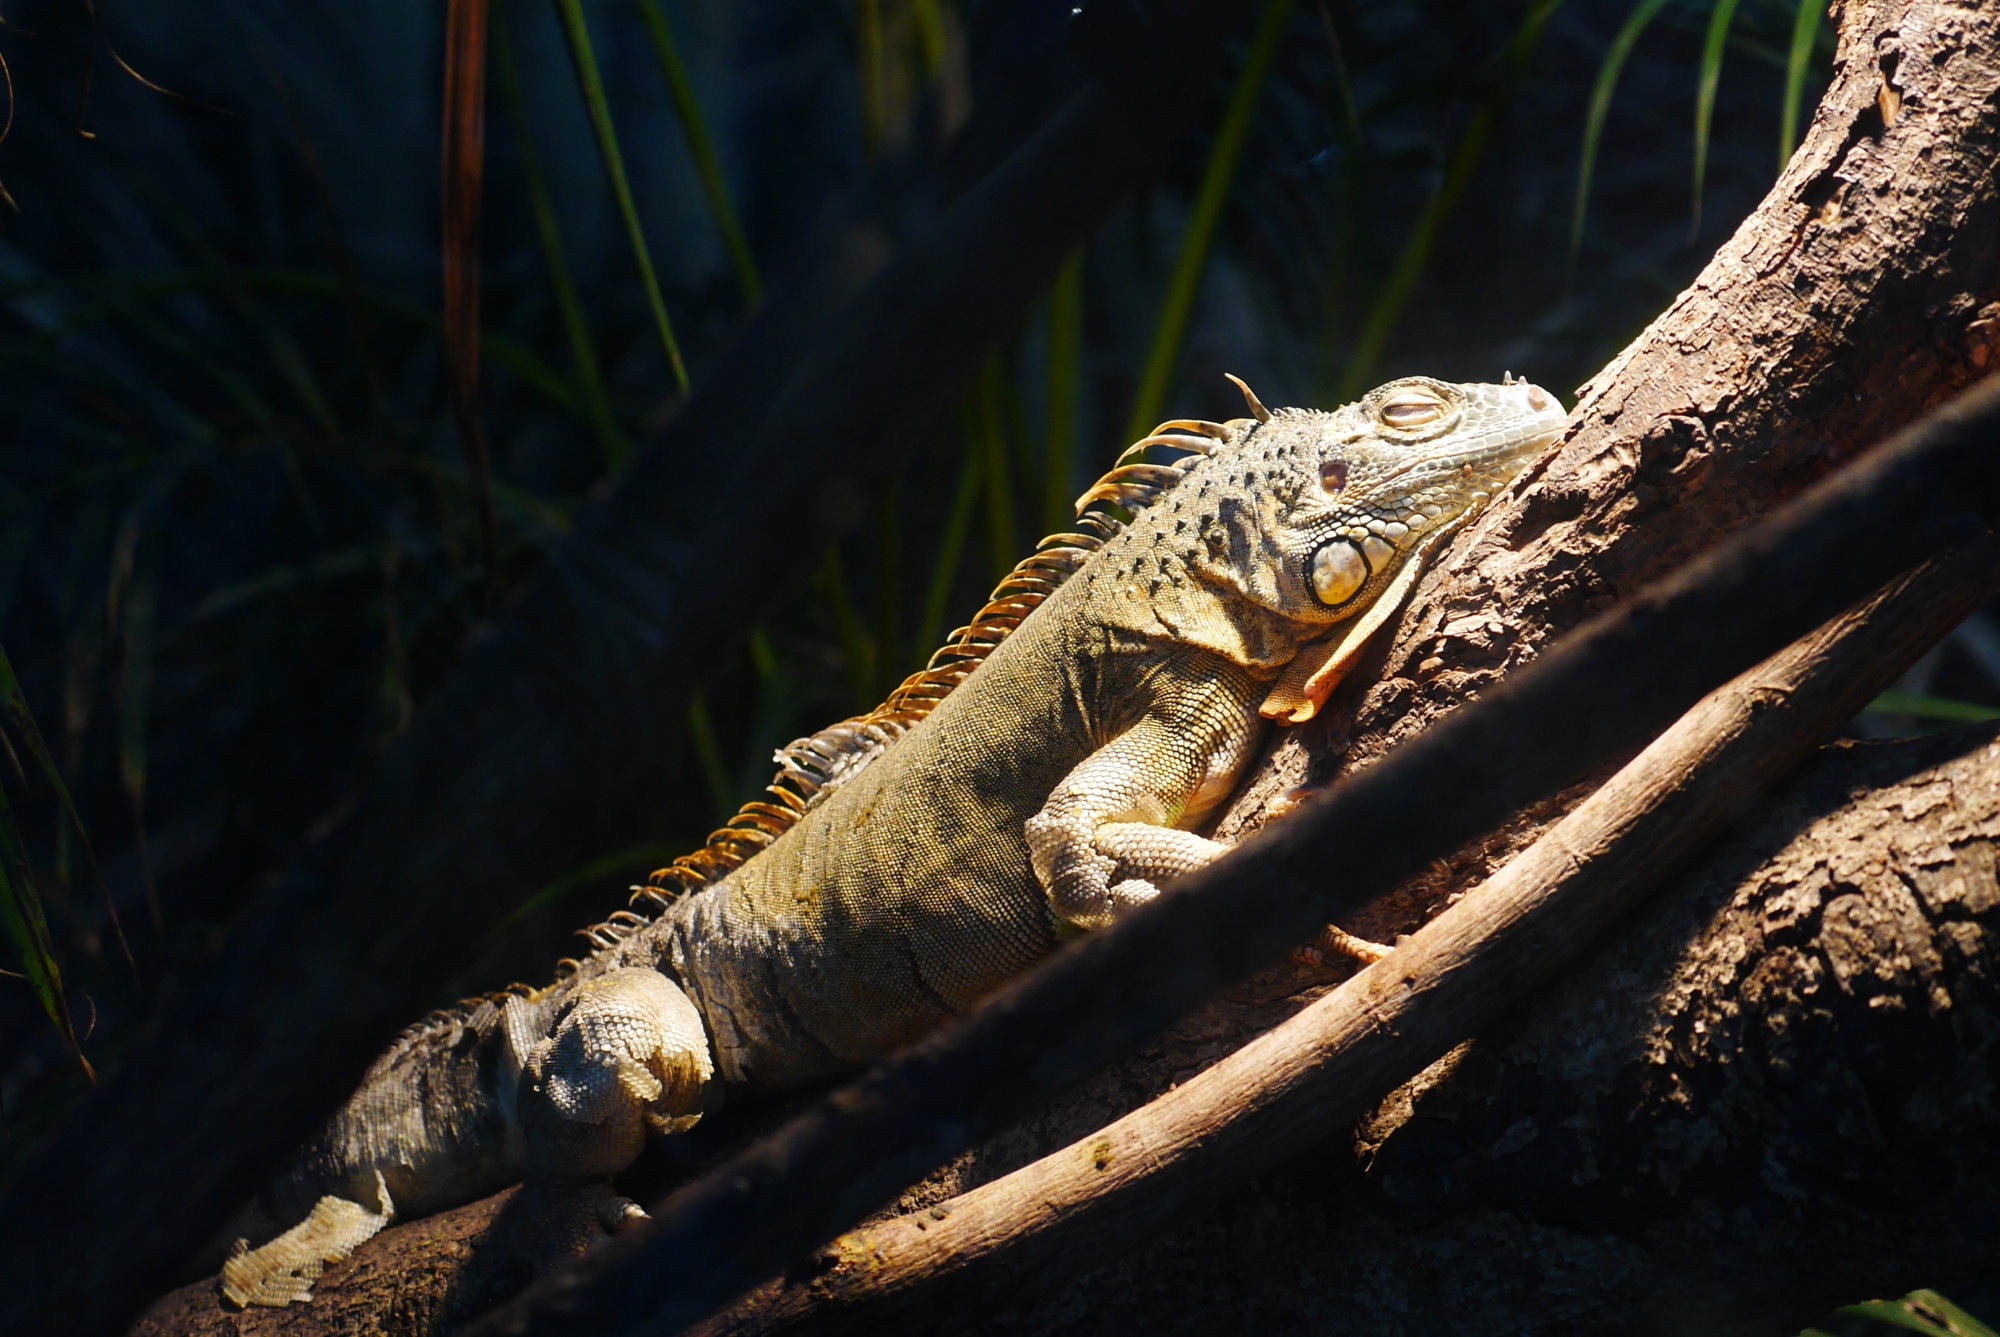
(1043, 774)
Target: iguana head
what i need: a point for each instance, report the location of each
(1322, 518)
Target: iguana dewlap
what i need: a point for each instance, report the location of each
(1046, 774)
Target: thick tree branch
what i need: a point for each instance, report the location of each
(1864, 290)
(1771, 1093)
(1034, 1229)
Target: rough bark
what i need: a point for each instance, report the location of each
(1275, 1098)
(1774, 1095)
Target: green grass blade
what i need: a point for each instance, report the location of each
(1601, 94)
(764, 656)
(1001, 536)
(576, 328)
(708, 750)
(15, 704)
(1805, 28)
(1221, 168)
(702, 149)
(930, 33)
(591, 84)
(869, 56)
(28, 928)
(1704, 101)
(604, 866)
(1957, 1321)
(1899, 1315)
(1387, 309)
(1921, 707)
(857, 646)
(951, 547)
(1065, 394)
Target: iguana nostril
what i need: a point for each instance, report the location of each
(1538, 398)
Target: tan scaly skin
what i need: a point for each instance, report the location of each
(1045, 776)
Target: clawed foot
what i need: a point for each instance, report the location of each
(558, 1221)
(1287, 803)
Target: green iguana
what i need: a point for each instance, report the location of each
(1045, 774)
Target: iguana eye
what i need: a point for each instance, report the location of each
(1338, 573)
(1410, 410)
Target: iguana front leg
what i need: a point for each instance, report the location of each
(1114, 829)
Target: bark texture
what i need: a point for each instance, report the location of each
(1273, 1100)
(1774, 1095)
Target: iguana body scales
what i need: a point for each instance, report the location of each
(1043, 775)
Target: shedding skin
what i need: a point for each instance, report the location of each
(1046, 774)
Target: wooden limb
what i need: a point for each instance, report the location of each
(1768, 1093)
(1073, 1210)
(1863, 291)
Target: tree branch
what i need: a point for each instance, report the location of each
(1034, 1229)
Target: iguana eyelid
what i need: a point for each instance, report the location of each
(1411, 411)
